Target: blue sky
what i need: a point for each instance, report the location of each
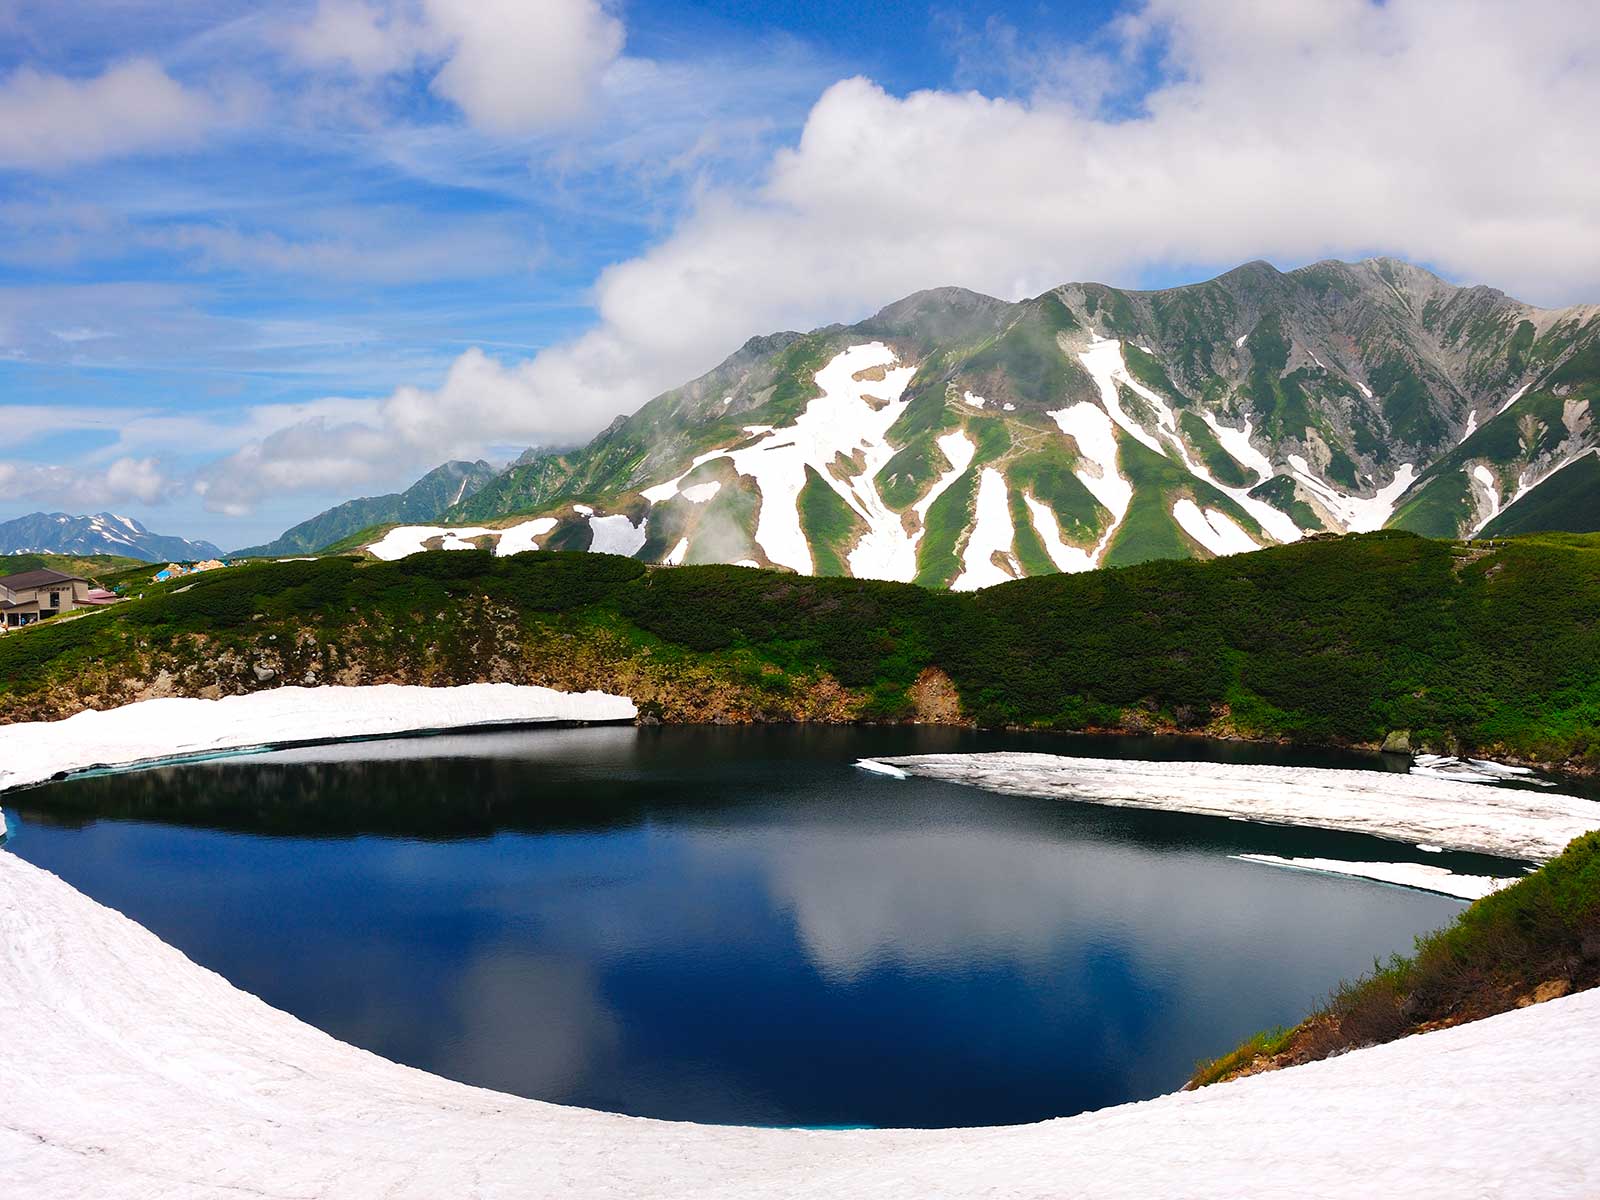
(255, 259)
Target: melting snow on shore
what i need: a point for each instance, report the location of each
(159, 730)
(1411, 875)
(131, 1072)
(1451, 813)
(1473, 770)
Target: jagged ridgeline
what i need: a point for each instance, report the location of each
(958, 440)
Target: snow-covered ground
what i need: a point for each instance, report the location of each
(518, 539)
(1473, 770)
(131, 1072)
(156, 730)
(1218, 533)
(616, 535)
(1355, 513)
(408, 539)
(1214, 530)
(1091, 429)
(959, 451)
(850, 418)
(1453, 814)
(1403, 874)
(992, 533)
(1487, 496)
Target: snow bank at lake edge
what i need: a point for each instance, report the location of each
(1450, 813)
(159, 730)
(130, 1070)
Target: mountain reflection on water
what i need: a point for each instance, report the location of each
(732, 925)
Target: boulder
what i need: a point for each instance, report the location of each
(1398, 742)
(1550, 989)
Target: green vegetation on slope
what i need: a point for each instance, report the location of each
(1279, 491)
(1542, 930)
(1567, 502)
(1495, 649)
(1047, 474)
(1439, 509)
(1148, 531)
(1024, 364)
(948, 518)
(907, 476)
(830, 525)
(1223, 466)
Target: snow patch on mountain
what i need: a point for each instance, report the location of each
(959, 450)
(1069, 559)
(1103, 361)
(1212, 529)
(616, 535)
(1355, 513)
(408, 539)
(992, 534)
(700, 493)
(840, 421)
(1512, 399)
(1091, 429)
(1488, 492)
(519, 538)
(1237, 443)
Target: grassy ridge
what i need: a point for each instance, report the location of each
(1340, 641)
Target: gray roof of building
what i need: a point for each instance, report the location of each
(41, 578)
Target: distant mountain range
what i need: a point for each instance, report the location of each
(960, 440)
(447, 485)
(103, 533)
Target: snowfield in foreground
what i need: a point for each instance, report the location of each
(131, 1072)
(153, 730)
(1449, 813)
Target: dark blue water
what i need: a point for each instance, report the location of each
(730, 925)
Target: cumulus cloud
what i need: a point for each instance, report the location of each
(510, 66)
(78, 488)
(49, 121)
(1458, 135)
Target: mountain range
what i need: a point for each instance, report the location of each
(103, 533)
(441, 488)
(960, 440)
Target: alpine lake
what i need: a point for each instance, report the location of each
(735, 925)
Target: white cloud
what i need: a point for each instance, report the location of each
(368, 39)
(519, 65)
(1340, 128)
(1458, 135)
(78, 489)
(50, 121)
(511, 66)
